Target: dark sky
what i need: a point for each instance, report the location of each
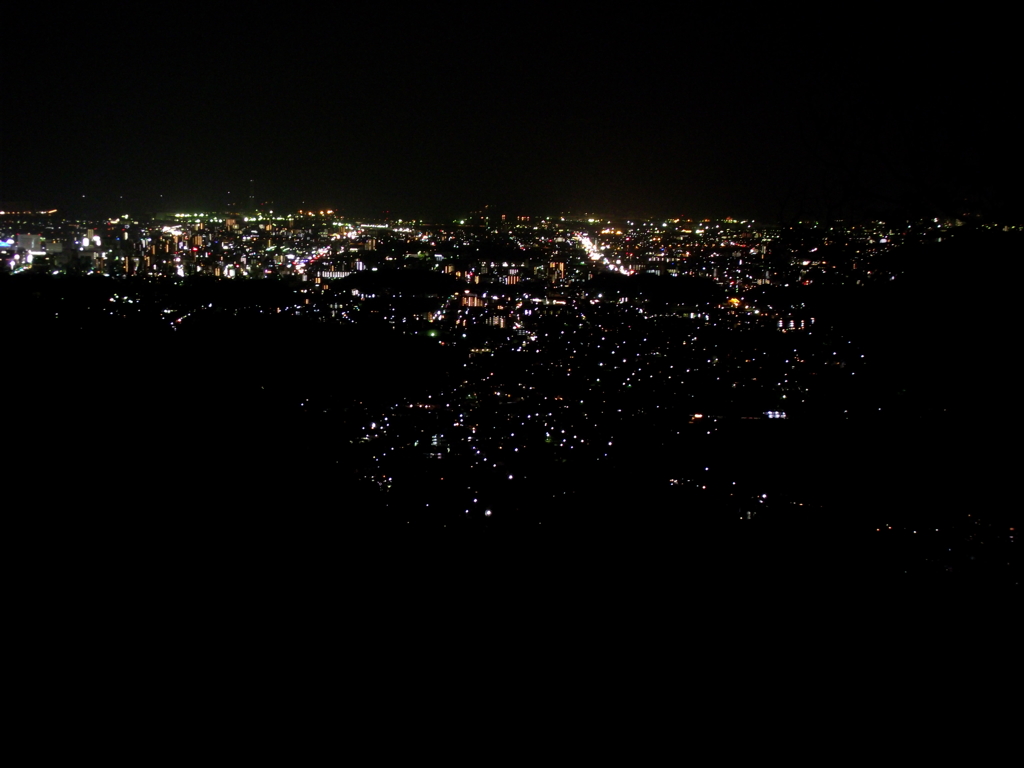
(690, 114)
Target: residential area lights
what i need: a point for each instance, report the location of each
(526, 356)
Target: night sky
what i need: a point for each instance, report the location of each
(693, 114)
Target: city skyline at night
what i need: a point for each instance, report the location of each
(715, 279)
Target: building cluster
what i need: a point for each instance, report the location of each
(561, 344)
